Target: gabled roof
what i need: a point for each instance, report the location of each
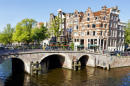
(40, 23)
(98, 13)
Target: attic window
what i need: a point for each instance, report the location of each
(88, 14)
(96, 18)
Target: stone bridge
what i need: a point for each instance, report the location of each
(52, 58)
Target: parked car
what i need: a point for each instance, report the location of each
(124, 53)
(115, 53)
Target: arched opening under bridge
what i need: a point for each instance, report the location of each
(84, 60)
(51, 62)
(17, 65)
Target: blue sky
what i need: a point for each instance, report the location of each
(13, 11)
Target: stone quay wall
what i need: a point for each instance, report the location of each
(120, 62)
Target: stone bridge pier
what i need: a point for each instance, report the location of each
(49, 59)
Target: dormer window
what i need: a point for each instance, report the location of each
(96, 18)
(88, 14)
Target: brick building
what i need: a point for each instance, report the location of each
(100, 30)
(96, 30)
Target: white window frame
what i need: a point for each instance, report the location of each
(82, 33)
(75, 33)
(83, 26)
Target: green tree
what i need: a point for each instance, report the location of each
(55, 27)
(41, 33)
(127, 33)
(72, 46)
(23, 32)
(6, 35)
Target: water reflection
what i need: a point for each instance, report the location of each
(88, 76)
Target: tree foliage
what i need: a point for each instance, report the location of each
(55, 26)
(41, 33)
(23, 32)
(127, 33)
(6, 35)
(72, 46)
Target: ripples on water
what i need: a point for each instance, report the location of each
(88, 76)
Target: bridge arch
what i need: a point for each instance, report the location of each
(57, 60)
(18, 65)
(86, 60)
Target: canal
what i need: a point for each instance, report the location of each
(88, 76)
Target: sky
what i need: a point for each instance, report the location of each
(13, 11)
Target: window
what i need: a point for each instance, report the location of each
(88, 19)
(115, 33)
(75, 27)
(101, 25)
(119, 34)
(76, 15)
(76, 21)
(87, 32)
(93, 25)
(111, 17)
(110, 24)
(105, 25)
(88, 14)
(74, 40)
(116, 25)
(123, 41)
(104, 18)
(117, 18)
(105, 33)
(123, 34)
(113, 25)
(111, 33)
(77, 40)
(83, 26)
(88, 26)
(94, 33)
(96, 18)
(82, 33)
(101, 33)
(95, 41)
(75, 33)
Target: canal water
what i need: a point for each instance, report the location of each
(88, 76)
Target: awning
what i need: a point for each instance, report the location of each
(80, 46)
(93, 45)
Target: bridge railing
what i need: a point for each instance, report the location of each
(20, 48)
(29, 48)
